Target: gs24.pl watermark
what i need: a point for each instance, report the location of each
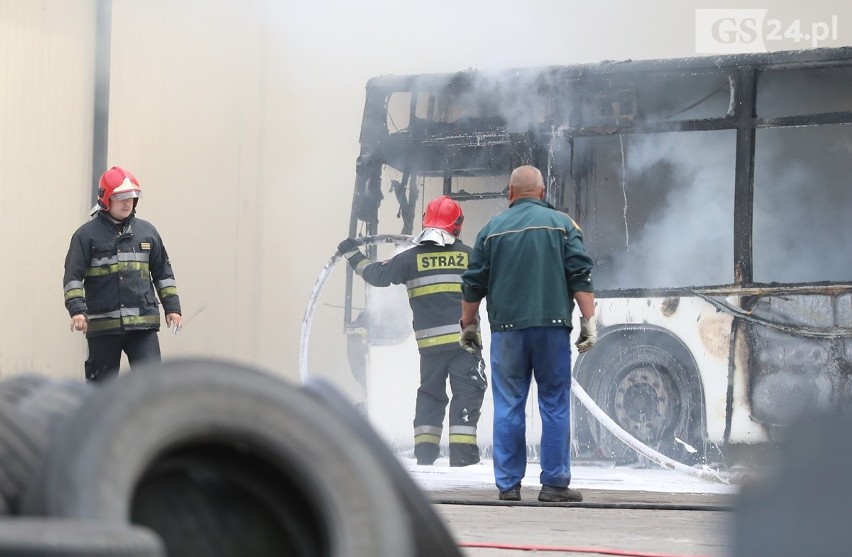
(729, 31)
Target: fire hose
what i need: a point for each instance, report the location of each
(654, 456)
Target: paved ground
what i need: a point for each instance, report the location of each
(625, 511)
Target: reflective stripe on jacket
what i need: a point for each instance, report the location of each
(114, 274)
(432, 275)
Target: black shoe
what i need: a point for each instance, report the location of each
(511, 494)
(553, 494)
(425, 462)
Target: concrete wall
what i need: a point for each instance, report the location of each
(202, 110)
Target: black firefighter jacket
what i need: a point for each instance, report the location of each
(111, 271)
(432, 275)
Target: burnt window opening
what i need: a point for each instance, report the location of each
(656, 209)
(802, 196)
(803, 91)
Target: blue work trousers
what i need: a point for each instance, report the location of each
(516, 357)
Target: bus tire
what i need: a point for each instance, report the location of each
(31, 408)
(46, 537)
(647, 381)
(431, 537)
(211, 454)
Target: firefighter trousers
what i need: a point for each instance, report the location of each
(466, 373)
(105, 353)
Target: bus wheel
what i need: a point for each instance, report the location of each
(647, 381)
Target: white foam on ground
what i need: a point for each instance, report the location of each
(618, 478)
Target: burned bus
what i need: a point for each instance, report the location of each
(714, 194)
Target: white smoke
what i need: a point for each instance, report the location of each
(680, 235)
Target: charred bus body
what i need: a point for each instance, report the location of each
(714, 194)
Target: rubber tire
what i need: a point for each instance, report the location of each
(220, 506)
(112, 461)
(618, 353)
(31, 408)
(431, 535)
(48, 537)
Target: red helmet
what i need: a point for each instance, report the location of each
(117, 183)
(444, 213)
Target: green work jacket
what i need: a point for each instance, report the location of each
(527, 262)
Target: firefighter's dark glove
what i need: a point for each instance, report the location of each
(588, 334)
(347, 248)
(470, 339)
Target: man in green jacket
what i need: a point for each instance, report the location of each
(530, 263)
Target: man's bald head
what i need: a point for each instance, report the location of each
(526, 181)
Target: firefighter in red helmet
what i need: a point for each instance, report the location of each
(431, 270)
(115, 269)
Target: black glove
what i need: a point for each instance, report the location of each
(347, 248)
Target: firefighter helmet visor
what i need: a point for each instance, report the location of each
(117, 183)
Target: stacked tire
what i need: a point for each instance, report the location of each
(203, 457)
(32, 410)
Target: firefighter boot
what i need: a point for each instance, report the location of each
(463, 454)
(426, 443)
(426, 453)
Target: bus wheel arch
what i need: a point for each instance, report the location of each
(646, 379)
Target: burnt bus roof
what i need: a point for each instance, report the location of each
(554, 84)
(790, 59)
(534, 115)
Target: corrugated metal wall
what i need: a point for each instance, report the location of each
(187, 110)
(202, 112)
(47, 59)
